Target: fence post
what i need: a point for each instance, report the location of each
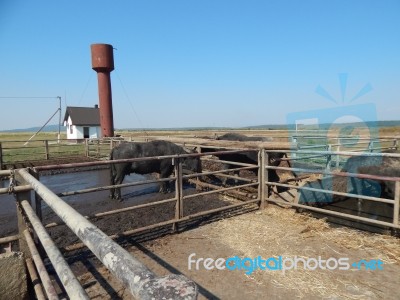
(46, 149)
(38, 199)
(16, 179)
(395, 145)
(87, 147)
(396, 203)
(294, 140)
(1, 157)
(371, 146)
(178, 191)
(338, 155)
(262, 176)
(328, 158)
(98, 149)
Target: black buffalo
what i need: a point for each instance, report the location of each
(162, 166)
(381, 166)
(249, 157)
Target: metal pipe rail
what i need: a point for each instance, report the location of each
(344, 153)
(140, 281)
(343, 174)
(16, 189)
(5, 173)
(109, 162)
(44, 276)
(67, 277)
(116, 211)
(312, 146)
(335, 213)
(9, 239)
(236, 178)
(395, 202)
(218, 172)
(107, 187)
(230, 162)
(96, 189)
(35, 279)
(376, 199)
(220, 190)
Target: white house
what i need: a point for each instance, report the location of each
(82, 122)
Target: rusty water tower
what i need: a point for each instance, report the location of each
(103, 64)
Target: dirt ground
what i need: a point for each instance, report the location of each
(269, 233)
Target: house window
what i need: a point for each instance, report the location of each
(71, 129)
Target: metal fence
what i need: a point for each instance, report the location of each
(136, 277)
(139, 280)
(12, 152)
(394, 202)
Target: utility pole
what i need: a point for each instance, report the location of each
(59, 119)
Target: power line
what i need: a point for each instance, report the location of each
(86, 86)
(14, 97)
(130, 103)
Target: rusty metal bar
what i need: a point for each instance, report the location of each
(335, 213)
(35, 280)
(219, 190)
(46, 149)
(16, 189)
(376, 199)
(217, 172)
(1, 158)
(313, 146)
(216, 187)
(108, 162)
(9, 239)
(140, 281)
(229, 162)
(225, 143)
(178, 192)
(343, 174)
(263, 177)
(116, 211)
(107, 187)
(346, 153)
(44, 276)
(236, 177)
(87, 147)
(4, 173)
(71, 284)
(21, 218)
(300, 158)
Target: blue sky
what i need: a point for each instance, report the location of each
(198, 63)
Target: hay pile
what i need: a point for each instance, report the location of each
(278, 231)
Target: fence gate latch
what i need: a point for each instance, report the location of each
(12, 182)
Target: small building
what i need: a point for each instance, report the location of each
(82, 122)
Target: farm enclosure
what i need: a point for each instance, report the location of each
(238, 237)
